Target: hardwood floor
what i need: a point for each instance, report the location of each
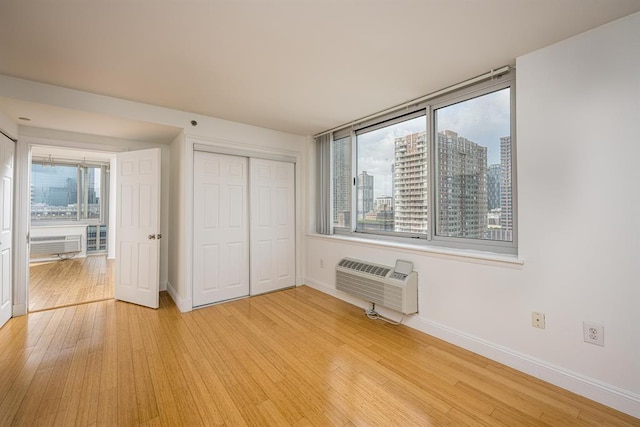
(72, 281)
(295, 357)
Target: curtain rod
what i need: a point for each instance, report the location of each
(486, 76)
(65, 161)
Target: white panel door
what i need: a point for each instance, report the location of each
(221, 228)
(7, 149)
(273, 249)
(138, 227)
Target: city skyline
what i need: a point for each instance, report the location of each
(483, 120)
(473, 198)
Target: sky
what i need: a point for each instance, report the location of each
(482, 120)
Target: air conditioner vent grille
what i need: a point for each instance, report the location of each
(375, 270)
(55, 245)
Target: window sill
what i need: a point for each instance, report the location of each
(460, 254)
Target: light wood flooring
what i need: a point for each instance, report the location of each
(294, 357)
(72, 281)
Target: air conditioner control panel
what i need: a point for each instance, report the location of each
(399, 276)
(402, 270)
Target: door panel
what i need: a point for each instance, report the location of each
(138, 227)
(7, 150)
(272, 225)
(221, 229)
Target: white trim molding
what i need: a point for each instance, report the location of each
(607, 394)
(182, 304)
(19, 310)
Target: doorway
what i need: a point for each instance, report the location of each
(70, 232)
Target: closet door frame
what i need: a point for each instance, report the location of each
(192, 144)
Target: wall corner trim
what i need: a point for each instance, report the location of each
(19, 310)
(182, 304)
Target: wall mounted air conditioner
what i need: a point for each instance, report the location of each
(392, 287)
(56, 245)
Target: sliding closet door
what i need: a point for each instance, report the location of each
(221, 228)
(273, 257)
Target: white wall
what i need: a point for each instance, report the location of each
(8, 126)
(578, 140)
(176, 284)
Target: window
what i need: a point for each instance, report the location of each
(473, 168)
(64, 192)
(441, 173)
(392, 177)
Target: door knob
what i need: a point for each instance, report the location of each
(159, 236)
(152, 237)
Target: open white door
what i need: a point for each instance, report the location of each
(273, 249)
(7, 149)
(138, 227)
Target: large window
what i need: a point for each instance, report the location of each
(65, 192)
(441, 172)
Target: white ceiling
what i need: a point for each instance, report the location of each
(300, 66)
(57, 118)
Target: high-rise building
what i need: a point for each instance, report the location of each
(462, 186)
(342, 182)
(384, 204)
(494, 184)
(506, 191)
(410, 193)
(365, 194)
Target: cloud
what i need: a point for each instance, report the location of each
(482, 120)
(376, 152)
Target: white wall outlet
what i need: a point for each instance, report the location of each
(593, 333)
(537, 320)
(321, 263)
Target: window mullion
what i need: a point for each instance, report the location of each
(354, 188)
(79, 193)
(431, 174)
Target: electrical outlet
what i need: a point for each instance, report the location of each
(537, 320)
(321, 263)
(593, 333)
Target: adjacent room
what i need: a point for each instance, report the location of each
(320, 213)
(69, 260)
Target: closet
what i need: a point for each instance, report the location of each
(244, 226)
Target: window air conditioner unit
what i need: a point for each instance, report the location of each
(56, 245)
(392, 287)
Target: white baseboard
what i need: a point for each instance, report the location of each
(607, 394)
(19, 310)
(182, 304)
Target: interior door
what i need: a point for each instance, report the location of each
(7, 150)
(138, 227)
(221, 229)
(273, 256)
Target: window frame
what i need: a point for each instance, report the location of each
(82, 168)
(429, 107)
